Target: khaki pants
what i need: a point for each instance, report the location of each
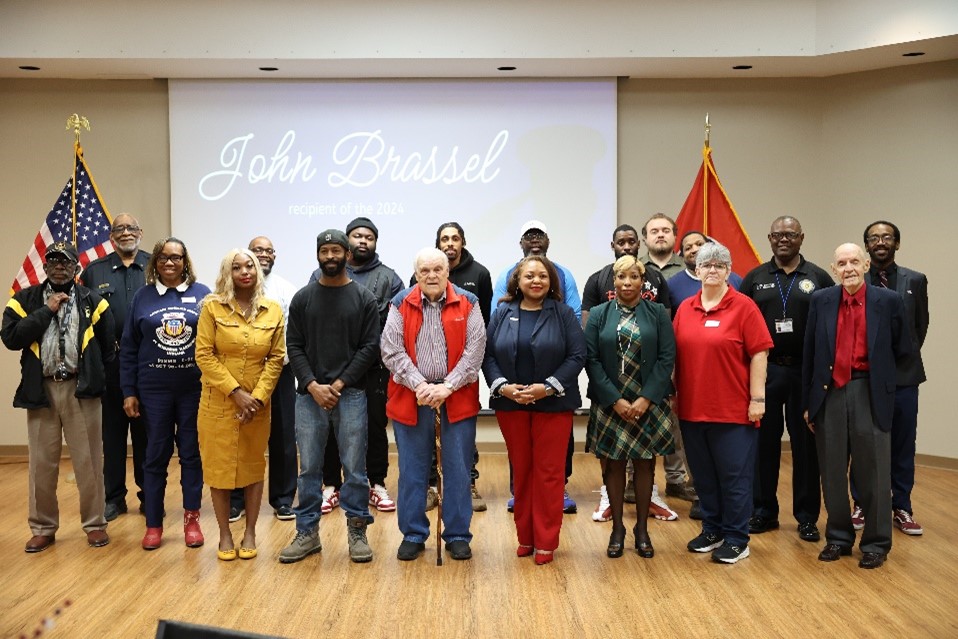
(80, 422)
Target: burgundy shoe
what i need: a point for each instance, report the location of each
(191, 529)
(543, 557)
(904, 522)
(39, 543)
(97, 538)
(524, 551)
(858, 518)
(152, 539)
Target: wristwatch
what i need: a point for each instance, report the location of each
(448, 385)
(549, 389)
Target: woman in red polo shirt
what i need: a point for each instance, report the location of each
(722, 346)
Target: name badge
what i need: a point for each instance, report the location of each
(189, 300)
(711, 323)
(784, 325)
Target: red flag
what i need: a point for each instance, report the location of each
(78, 216)
(708, 210)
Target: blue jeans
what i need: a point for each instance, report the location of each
(313, 423)
(416, 444)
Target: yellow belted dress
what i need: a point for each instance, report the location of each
(231, 352)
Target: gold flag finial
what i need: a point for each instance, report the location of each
(76, 122)
(708, 129)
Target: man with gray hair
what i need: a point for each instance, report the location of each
(856, 334)
(433, 345)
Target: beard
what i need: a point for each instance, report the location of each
(362, 255)
(66, 287)
(333, 268)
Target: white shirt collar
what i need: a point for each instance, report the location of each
(161, 289)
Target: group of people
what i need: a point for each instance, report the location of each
(685, 360)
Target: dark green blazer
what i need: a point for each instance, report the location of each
(602, 360)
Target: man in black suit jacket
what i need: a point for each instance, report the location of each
(882, 240)
(854, 336)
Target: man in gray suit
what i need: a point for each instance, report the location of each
(882, 240)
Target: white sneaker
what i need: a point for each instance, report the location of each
(659, 509)
(379, 498)
(330, 500)
(602, 512)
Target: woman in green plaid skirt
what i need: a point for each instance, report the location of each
(631, 351)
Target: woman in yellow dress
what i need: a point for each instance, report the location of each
(239, 349)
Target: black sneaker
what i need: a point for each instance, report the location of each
(705, 542)
(729, 554)
(409, 550)
(236, 514)
(283, 513)
(114, 510)
(459, 549)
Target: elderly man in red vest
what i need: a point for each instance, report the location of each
(433, 345)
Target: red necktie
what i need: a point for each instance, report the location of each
(842, 372)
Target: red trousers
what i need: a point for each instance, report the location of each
(537, 444)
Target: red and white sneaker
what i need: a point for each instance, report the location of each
(858, 518)
(330, 500)
(904, 522)
(602, 512)
(659, 509)
(379, 498)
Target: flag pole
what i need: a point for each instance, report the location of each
(76, 122)
(705, 176)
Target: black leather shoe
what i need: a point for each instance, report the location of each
(616, 543)
(758, 524)
(114, 510)
(872, 560)
(695, 512)
(808, 531)
(409, 550)
(459, 550)
(645, 549)
(831, 552)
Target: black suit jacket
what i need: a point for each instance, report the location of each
(888, 341)
(913, 288)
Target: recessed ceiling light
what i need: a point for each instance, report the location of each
(742, 67)
(269, 68)
(29, 67)
(912, 54)
(506, 68)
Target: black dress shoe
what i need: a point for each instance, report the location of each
(113, 510)
(831, 552)
(758, 524)
(616, 543)
(645, 549)
(409, 550)
(872, 560)
(459, 549)
(808, 531)
(695, 512)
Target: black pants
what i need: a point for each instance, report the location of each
(116, 425)
(283, 466)
(783, 390)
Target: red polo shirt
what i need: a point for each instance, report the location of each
(713, 350)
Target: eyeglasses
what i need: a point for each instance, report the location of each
(875, 239)
(788, 235)
(533, 235)
(176, 259)
(259, 250)
(60, 260)
(120, 229)
(711, 266)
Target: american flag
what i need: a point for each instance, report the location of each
(93, 224)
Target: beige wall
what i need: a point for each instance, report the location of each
(836, 152)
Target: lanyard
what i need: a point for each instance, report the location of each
(785, 295)
(64, 326)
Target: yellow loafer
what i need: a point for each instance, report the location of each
(247, 553)
(226, 555)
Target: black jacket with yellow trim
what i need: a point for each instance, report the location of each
(25, 320)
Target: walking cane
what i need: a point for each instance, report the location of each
(439, 487)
